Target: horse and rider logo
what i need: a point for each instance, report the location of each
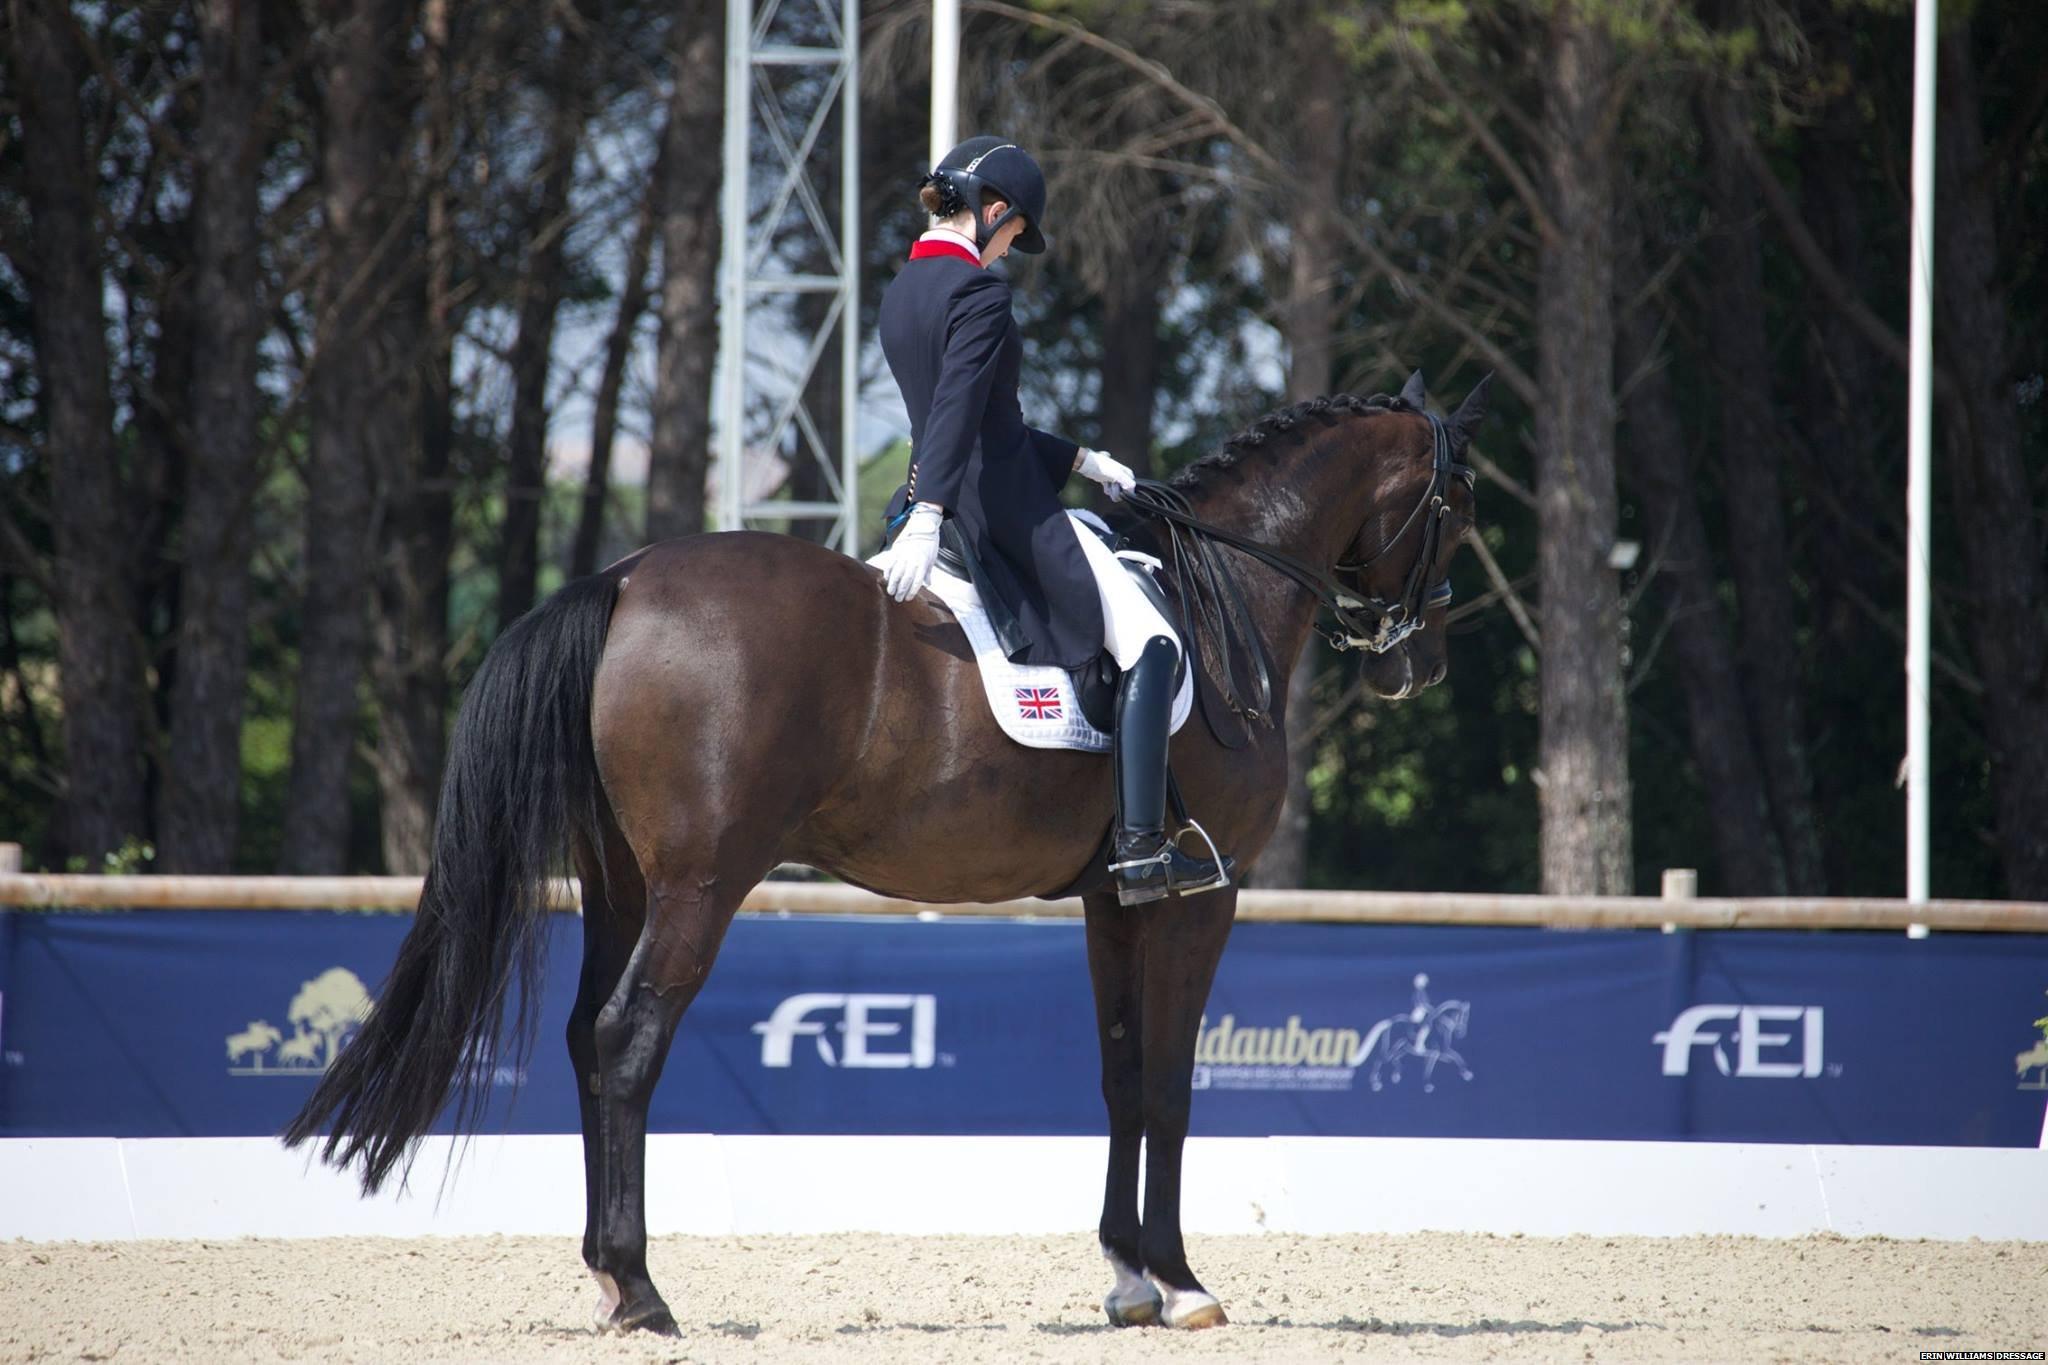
(1291, 1057)
(323, 1016)
(1426, 1032)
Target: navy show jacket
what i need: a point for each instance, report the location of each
(955, 350)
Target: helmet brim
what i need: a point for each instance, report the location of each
(1030, 241)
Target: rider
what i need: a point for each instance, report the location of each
(955, 351)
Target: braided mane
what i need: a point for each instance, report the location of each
(1289, 424)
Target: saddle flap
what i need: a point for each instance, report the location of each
(1095, 682)
(1040, 706)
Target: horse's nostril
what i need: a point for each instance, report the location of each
(1436, 675)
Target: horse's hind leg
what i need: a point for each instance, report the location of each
(614, 908)
(1115, 954)
(1184, 940)
(689, 905)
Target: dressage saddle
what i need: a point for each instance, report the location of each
(1095, 682)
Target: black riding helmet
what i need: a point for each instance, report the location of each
(1006, 170)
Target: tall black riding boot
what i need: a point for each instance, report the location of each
(1144, 863)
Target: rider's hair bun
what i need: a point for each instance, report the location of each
(940, 197)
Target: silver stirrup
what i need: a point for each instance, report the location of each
(1164, 855)
(1215, 856)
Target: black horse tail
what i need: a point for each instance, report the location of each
(521, 778)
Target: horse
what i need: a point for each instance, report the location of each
(1428, 1038)
(254, 1040)
(707, 708)
(302, 1048)
(1450, 1022)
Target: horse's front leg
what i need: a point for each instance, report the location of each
(1183, 942)
(1115, 955)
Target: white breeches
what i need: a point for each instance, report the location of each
(1128, 617)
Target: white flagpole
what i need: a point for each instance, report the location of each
(1919, 426)
(945, 77)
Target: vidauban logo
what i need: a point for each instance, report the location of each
(1230, 1055)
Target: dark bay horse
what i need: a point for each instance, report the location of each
(711, 707)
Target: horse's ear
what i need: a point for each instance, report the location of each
(1414, 394)
(1465, 421)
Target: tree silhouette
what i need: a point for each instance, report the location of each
(330, 1005)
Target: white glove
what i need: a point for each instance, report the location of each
(913, 552)
(1116, 478)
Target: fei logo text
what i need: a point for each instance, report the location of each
(1759, 1050)
(873, 1030)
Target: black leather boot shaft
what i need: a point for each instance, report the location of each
(1145, 865)
(1144, 710)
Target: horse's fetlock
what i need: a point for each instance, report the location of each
(1120, 1249)
(1166, 1261)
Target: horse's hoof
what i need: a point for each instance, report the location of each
(1133, 1300)
(1191, 1309)
(650, 1315)
(1132, 1310)
(607, 1300)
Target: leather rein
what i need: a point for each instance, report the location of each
(1212, 603)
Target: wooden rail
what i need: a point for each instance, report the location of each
(66, 891)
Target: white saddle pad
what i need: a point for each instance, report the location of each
(1034, 703)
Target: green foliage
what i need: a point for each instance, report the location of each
(133, 856)
(1435, 793)
(879, 478)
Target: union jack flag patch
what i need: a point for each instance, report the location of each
(1039, 703)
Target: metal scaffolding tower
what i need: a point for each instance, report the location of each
(790, 65)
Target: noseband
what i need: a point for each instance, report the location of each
(1210, 597)
(1395, 621)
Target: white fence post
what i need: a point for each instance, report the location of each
(1680, 884)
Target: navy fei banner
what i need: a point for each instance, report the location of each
(140, 1024)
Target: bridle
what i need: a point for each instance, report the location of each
(1399, 619)
(1210, 598)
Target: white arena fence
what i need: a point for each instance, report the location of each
(91, 892)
